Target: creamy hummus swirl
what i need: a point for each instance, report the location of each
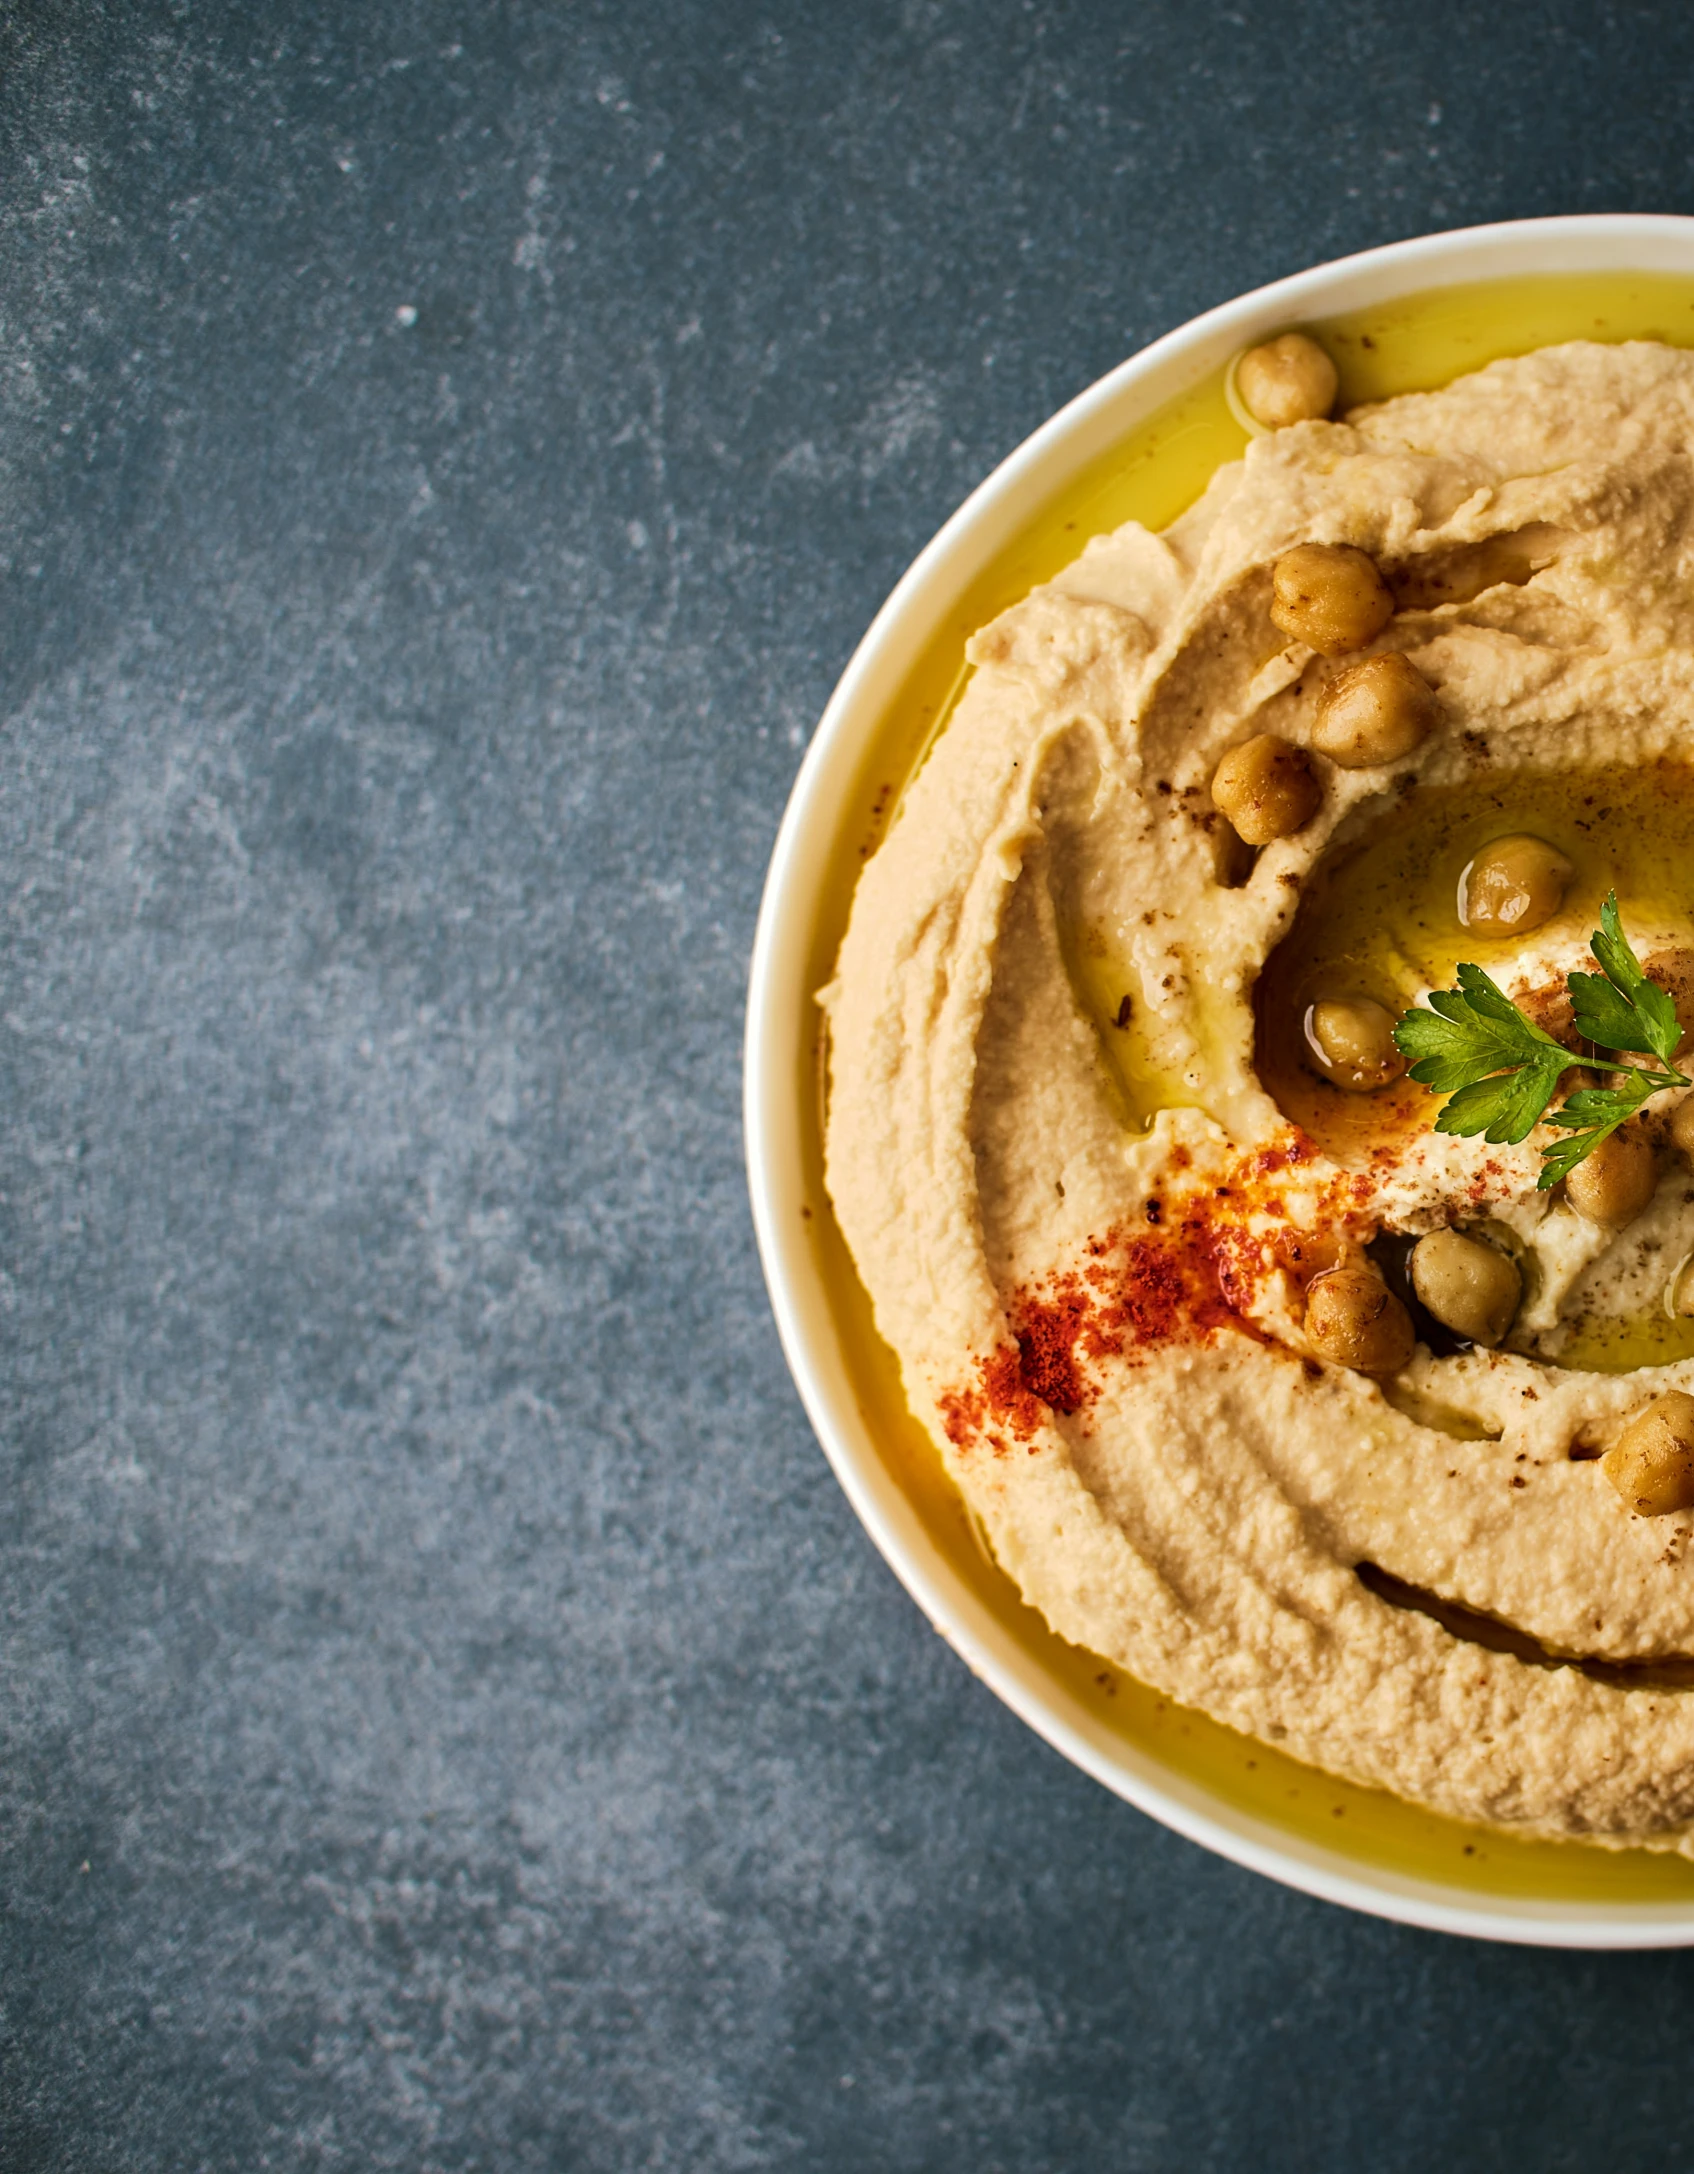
(1088, 1255)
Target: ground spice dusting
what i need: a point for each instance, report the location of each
(1010, 1397)
(1047, 1331)
(1183, 1283)
(1152, 1292)
(1178, 1281)
(962, 1412)
(1002, 1397)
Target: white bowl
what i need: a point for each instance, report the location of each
(1217, 1789)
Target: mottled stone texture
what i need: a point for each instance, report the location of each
(450, 1717)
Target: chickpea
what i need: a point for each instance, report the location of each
(1351, 1041)
(1375, 712)
(1266, 788)
(1353, 1319)
(1682, 1126)
(1290, 380)
(1329, 596)
(1513, 885)
(1615, 1182)
(1651, 1464)
(1679, 1292)
(1468, 1286)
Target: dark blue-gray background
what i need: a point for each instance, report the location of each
(450, 1717)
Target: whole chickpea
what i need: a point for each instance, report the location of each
(1468, 1286)
(1289, 380)
(1351, 1041)
(1513, 885)
(1375, 712)
(1267, 788)
(1679, 1292)
(1682, 1126)
(1614, 1183)
(1651, 1464)
(1353, 1319)
(1329, 596)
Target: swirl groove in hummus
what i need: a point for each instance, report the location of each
(1086, 1203)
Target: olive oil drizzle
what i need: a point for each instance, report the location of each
(1378, 918)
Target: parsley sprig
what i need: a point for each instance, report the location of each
(1500, 1071)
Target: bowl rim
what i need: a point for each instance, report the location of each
(780, 1012)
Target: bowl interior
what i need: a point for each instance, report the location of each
(1142, 445)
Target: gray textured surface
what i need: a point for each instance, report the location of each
(449, 1718)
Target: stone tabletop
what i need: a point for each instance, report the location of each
(449, 1717)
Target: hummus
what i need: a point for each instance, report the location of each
(1088, 1175)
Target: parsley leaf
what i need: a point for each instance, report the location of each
(1626, 1010)
(1591, 1115)
(1503, 1109)
(1475, 1045)
(1500, 1071)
